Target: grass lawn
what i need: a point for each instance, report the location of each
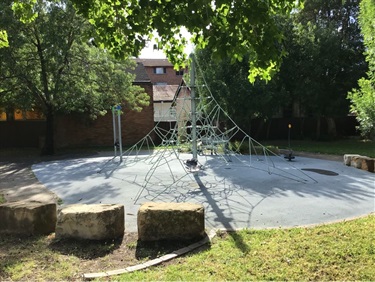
(339, 147)
(341, 251)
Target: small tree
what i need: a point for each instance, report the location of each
(363, 98)
(363, 106)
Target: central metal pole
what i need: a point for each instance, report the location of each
(193, 109)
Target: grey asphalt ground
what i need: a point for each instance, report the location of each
(271, 193)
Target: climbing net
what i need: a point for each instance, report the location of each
(202, 137)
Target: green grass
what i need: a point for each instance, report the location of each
(339, 147)
(341, 251)
(31, 258)
(2, 199)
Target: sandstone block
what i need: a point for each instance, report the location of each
(348, 158)
(28, 218)
(170, 221)
(93, 222)
(367, 164)
(356, 161)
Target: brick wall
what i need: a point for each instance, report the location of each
(169, 77)
(26, 133)
(78, 130)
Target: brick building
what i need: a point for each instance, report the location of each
(161, 71)
(166, 81)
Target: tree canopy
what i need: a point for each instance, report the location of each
(325, 58)
(232, 29)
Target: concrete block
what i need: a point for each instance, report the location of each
(170, 221)
(92, 222)
(28, 218)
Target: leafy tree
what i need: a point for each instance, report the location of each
(242, 100)
(363, 99)
(50, 64)
(232, 29)
(324, 59)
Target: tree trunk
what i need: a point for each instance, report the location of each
(331, 125)
(302, 125)
(259, 129)
(317, 136)
(268, 129)
(49, 148)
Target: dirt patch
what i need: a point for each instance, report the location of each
(54, 259)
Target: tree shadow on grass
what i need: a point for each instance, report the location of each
(155, 249)
(85, 249)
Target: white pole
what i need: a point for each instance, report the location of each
(193, 109)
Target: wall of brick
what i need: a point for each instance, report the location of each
(169, 77)
(78, 130)
(26, 133)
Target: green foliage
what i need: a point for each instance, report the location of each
(325, 57)
(363, 106)
(24, 10)
(2, 199)
(228, 83)
(231, 29)
(363, 98)
(3, 39)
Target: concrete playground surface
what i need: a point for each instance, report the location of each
(260, 192)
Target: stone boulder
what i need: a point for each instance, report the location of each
(28, 218)
(92, 222)
(170, 221)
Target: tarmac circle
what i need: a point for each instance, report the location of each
(269, 193)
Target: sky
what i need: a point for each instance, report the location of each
(150, 53)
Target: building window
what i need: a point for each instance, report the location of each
(161, 83)
(160, 70)
(180, 72)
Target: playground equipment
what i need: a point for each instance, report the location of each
(208, 134)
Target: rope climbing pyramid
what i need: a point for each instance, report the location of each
(203, 141)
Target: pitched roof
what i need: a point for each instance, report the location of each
(164, 93)
(140, 73)
(155, 62)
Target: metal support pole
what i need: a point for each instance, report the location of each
(119, 130)
(114, 131)
(193, 109)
